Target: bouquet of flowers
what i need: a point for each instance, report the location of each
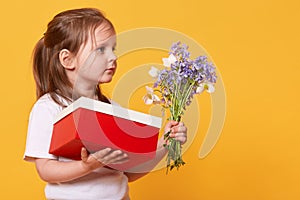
(175, 87)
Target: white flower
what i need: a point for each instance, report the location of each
(209, 87)
(154, 72)
(150, 97)
(170, 60)
(200, 89)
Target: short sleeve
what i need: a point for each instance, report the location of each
(40, 128)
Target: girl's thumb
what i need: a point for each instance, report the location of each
(84, 154)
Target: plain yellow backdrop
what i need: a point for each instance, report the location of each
(255, 45)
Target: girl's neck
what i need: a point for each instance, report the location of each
(86, 92)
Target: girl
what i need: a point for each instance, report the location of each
(74, 56)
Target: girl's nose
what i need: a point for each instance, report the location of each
(112, 57)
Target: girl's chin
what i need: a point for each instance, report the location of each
(107, 76)
(105, 80)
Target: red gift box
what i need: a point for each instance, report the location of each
(96, 125)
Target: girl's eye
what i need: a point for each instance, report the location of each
(101, 49)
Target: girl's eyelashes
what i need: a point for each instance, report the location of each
(101, 49)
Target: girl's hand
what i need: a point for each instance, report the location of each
(178, 131)
(102, 157)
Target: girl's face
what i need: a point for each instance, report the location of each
(96, 61)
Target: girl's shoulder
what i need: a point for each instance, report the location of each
(45, 102)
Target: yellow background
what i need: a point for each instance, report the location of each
(255, 45)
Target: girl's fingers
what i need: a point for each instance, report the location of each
(108, 156)
(181, 137)
(179, 128)
(84, 154)
(170, 124)
(118, 159)
(115, 156)
(179, 132)
(101, 154)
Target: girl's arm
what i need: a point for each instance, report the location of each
(53, 171)
(178, 131)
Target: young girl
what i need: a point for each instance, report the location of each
(74, 56)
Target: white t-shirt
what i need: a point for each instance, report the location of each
(101, 184)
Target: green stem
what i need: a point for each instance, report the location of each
(185, 96)
(174, 151)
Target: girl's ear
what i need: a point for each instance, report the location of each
(66, 58)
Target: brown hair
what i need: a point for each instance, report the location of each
(67, 30)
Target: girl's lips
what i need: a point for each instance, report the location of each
(112, 69)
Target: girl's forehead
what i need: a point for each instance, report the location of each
(103, 33)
